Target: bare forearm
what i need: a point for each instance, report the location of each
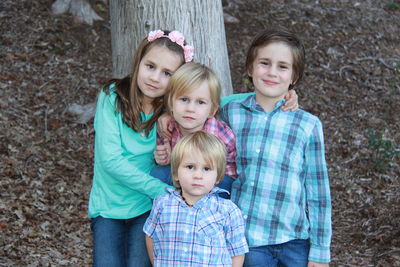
(317, 264)
(237, 261)
(149, 245)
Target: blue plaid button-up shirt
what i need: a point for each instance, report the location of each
(283, 186)
(208, 234)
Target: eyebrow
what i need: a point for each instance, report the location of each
(280, 62)
(151, 62)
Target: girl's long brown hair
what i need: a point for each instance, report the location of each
(129, 96)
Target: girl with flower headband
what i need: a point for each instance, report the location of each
(127, 110)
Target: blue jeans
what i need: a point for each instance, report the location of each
(292, 253)
(164, 174)
(119, 242)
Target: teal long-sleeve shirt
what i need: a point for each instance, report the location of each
(122, 186)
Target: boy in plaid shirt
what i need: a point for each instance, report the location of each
(191, 225)
(282, 187)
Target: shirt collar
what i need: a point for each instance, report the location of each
(177, 195)
(251, 103)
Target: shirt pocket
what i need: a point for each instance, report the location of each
(210, 230)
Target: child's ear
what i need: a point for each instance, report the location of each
(213, 112)
(293, 83)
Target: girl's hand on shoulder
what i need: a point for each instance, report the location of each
(164, 126)
(292, 102)
(317, 264)
(162, 153)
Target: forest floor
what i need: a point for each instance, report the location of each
(49, 63)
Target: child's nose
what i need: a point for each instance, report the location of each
(155, 76)
(190, 106)
(272, 70)
(198, 174)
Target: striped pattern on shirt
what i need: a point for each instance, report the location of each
(208, 234)
(282, 187)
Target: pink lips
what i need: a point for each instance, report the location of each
(268, 82)
(189, 118)
(152, 87)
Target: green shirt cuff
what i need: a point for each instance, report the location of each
(319, 254)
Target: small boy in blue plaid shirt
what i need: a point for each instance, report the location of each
(191, 225)
(283, 186)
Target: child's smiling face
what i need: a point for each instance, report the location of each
(155, 70)
(272, 72)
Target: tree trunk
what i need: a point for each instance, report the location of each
(201, 22)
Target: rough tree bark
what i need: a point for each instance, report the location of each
(201, 22)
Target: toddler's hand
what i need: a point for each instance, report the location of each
(291, 103)
(162, 153)
(164, 126)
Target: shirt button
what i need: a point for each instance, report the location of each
(266, 118)
(185, 249)
(186, 231)
(245, 217)
(258, 150)
(252, 183)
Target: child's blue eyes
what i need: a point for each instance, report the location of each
(185, 99)
(191, 167)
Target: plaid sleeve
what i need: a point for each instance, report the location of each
(223, 113)
(152, 221)
(318, 196)
(230, 143)
(234, 232)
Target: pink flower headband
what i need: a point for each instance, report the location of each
(175, 37)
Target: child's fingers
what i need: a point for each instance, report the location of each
(291, 103)
(163, 125)
(167, 145)
(161, 156)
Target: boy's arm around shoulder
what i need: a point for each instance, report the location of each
(318, 196)
(228, 98)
